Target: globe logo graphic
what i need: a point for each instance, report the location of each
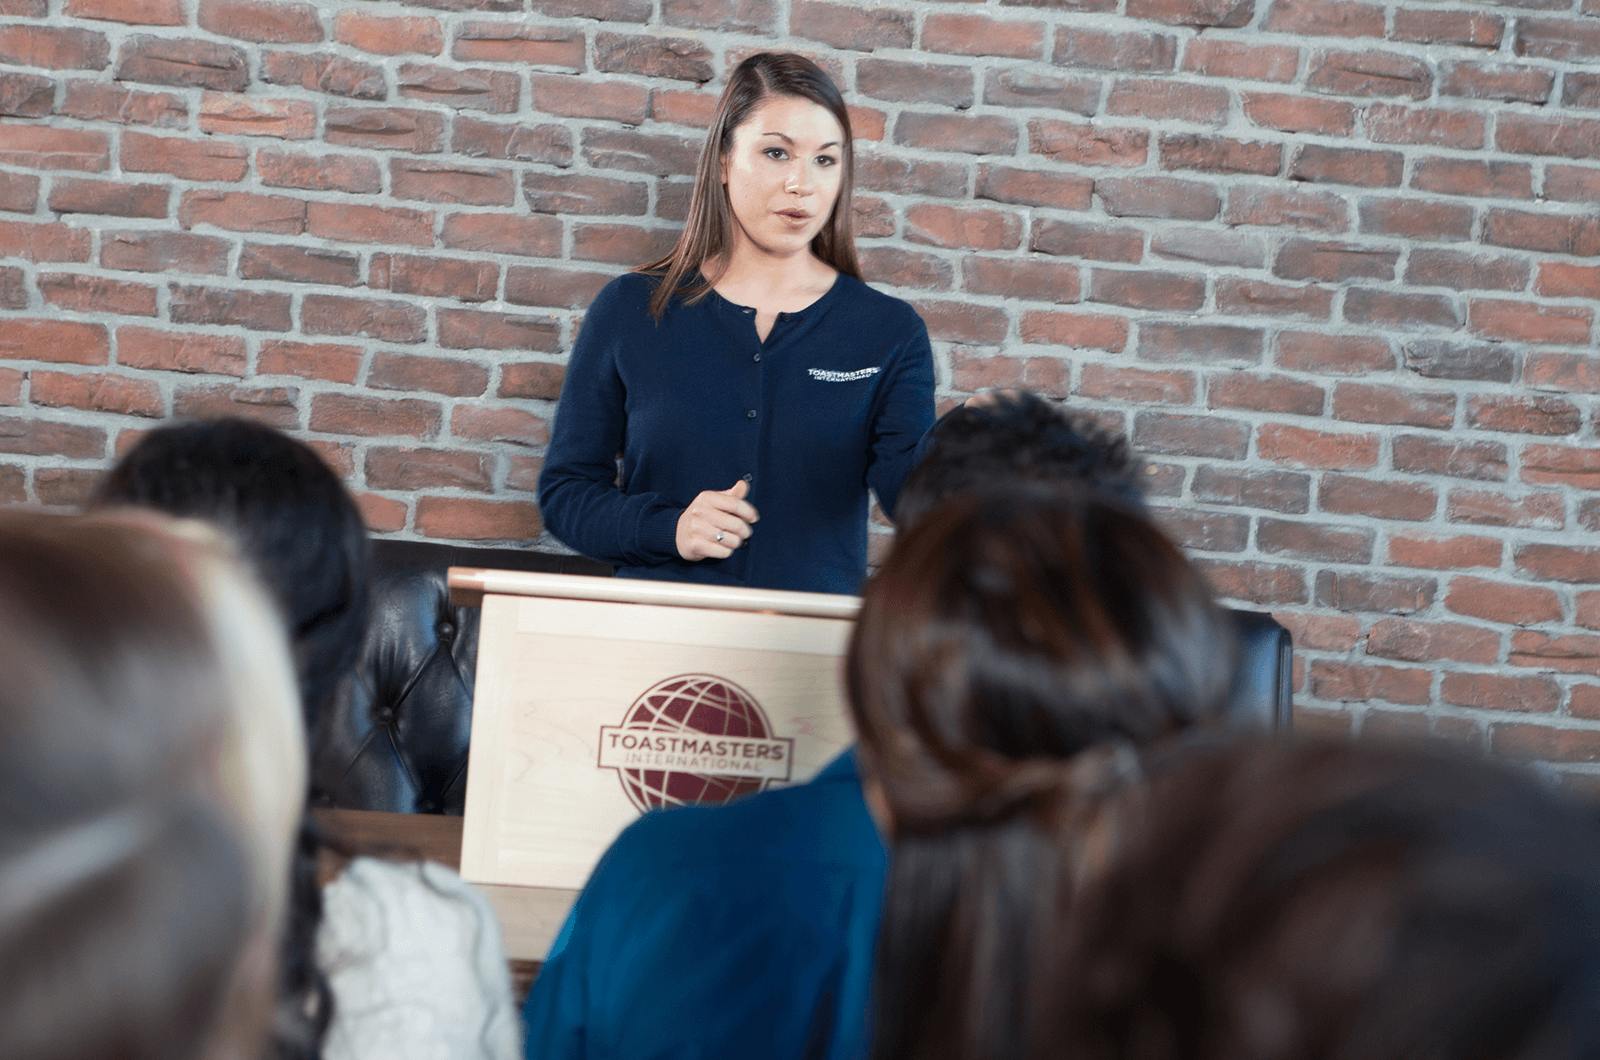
(692, 705)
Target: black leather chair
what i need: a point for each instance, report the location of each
(396, 736)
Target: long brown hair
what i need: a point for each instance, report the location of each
(1004, 635)
(708, 232)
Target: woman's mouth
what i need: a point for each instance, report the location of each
(797, 216)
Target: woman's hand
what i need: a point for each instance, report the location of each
(715, 523)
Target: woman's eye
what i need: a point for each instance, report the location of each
(777, 154)
(827, 160)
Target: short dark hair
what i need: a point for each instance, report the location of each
(1333, 900)
(293, 521)
(1004, 635)
(1020, 438)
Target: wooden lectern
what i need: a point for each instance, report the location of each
(598, 699)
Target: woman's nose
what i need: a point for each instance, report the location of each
(799, 179)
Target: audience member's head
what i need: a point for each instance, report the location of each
(151, 774)
(1004, 635)
(1015, 439)
(290, 515)
(1331, 902)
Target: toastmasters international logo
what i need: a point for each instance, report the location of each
(694, 739)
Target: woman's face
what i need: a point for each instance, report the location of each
(783, 175)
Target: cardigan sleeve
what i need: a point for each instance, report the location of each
(902, 416)
(579, 498)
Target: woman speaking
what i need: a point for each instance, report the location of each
(753, 385)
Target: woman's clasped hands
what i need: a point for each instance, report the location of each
(715, 523)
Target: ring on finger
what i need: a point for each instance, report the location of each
(720, 536)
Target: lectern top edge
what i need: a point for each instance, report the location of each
(468, 585)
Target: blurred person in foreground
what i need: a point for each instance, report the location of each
(390, 959)
(151, 778)
(749, 929)
(1318, 902)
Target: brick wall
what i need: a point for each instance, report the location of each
(1333, 265)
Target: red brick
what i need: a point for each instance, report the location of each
(535, 380)
(636, 152)
(1574, 654)
(963, 322)
(1389, 124)
(1443, 553)
(1225, 14)
(1341, 165)
(1560, 465)
(972, 227)
(291, 169)
(1088, 145)
(374, 417)
(962, 34)
(1532, 695)
(985, 134)
(465, 519)
(610, 100)
(1465, 271)
(386, 320)
(1298, 114)
(1036, 281)
(435, 182)
(525, 45)
(183, 63)
(1397, 309)
(31, 436)
(383, 515)
(1158, 197)
(42, 147)
(473, 329)
(286, 119)
(907, 82)
(11, 380)
(156, 251)
(76, 292)
(678, 58)
(309, 360)
(1135, 386)
(1331, 18)
(1474, 29)
(1446, 359)
(58, 341)
(1565, 372)
(1279, 491)
(1506, 320)
(1169, 100)
(1354, 683)
(1430, 641)
(1461, 176)
(105, 197)
(604, 10)
(468, 281)
(53, 47)
(524, 143)
(1096, 331)
(1364, 403)
(1139, 289)
(388, 36)
(1313, 632)
(1306, 259)
(1097, 242)
(266, 21)
(1261, 583)
(180, 351)
(435, 375)
(1508, 604)
(1528, 134)
(1099, 50)
(1276, 206)
(556, 287)
(1236, 390)
(1561, 280)
(136, 12)
(65, 487)
(492, 90)
(1571, 40)
(1524, 414)
(972, 373)
(1431, 456)
(369, 224)
(238, 211)
(1207, 436)
(1588, 614)
(1315, 541)
(1371, 73)
(1572, 183)
(746, 16)
(95, 101)
(538, 237)
(1352, 591)
(1204, 531)
(620, 244)
(1299, 447)
(1502, 82)
(904, 268)
(276, 406)
(874, 218)
(1543, 743)
(511, 426)
(1308, 351)
(1027, 187)
(26, 95)
(1239, 61)
(46, 242)
(189, 159)
(1211, 247)
(389, 128)
(1349, 495)
(1539, 511)
(1239, 297)
(522, 473)
(1023, 87)
(324, 72)
(415, 469)
(1216, 154)
(1559, 563)
(257, 310)
(299, 265)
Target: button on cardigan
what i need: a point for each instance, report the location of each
(833, 402)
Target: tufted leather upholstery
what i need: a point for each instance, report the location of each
(395, 737)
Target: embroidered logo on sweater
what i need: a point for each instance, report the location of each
(694, 739)
(829, 376)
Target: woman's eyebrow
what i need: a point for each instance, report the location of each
(787, 140)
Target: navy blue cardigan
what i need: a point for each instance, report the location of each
(834, 401)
